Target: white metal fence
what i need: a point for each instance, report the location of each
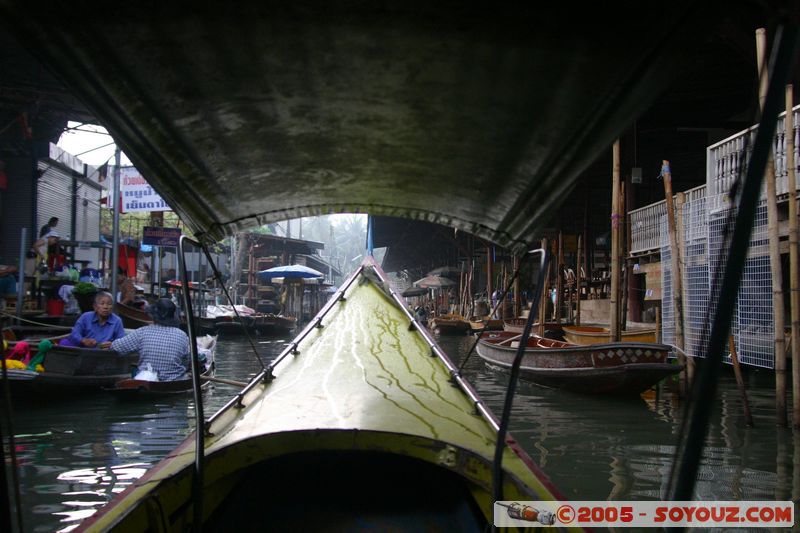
(706, 234)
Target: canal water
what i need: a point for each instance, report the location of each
(75, 454)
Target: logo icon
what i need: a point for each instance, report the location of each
(565, 514)
(529, 514)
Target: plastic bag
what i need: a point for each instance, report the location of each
(146, 373)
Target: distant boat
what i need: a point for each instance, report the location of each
(449, 324)
(552, 330)
(481, 323)
(132, 317)
(612, 368)
(585, 335)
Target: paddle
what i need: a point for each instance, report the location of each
(225, 381)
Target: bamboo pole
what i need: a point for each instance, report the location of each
(658, 323)
(544, 297)
(737, 371)
(489, 277)
(616, 333)
(794, 264)
(680, 201)
(517, 294)
(675, 265)
(559, 279)
(578, 284)
(225, 381)
(774, 248)
(623, 247)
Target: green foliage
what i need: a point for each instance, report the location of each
(84, 287)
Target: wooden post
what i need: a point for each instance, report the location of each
(737, 370)
(658, 323)
(517, 294)
(543, 300)
(774, 248)
(680, 201)
(578, 280)
(624, 268)
(616, 333)
(677, 290)
(489, 275)
(794, 265)
(559, 279)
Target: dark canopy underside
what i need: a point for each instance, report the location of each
(475, 116)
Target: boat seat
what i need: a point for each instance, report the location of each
(348, 492)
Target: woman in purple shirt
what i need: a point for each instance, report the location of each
(96, 329)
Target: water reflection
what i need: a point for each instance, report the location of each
(75, 455)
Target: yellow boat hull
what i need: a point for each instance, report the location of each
(586, 335)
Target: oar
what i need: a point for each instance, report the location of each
(510, 339)
(225, 381)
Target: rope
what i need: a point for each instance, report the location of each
(15, 317)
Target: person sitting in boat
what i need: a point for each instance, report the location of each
(98, 328)
(126, 292)
(161, 346)
(421, 315)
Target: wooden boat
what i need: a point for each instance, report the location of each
(585, 335)
(132, 388)
(132, 317)
(480, 323)
(449, 324)
(262, 323)
(357, 407)
(33, 334)
(552, 330)
(611, 368)
(69, 369)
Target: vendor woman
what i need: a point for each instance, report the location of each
(98, 328)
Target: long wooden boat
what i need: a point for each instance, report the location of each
(356, 407)
(553, 330)
(262, 323)
(132, 317)
(69, 369)
(585, 335)
(132, 388)
(611, 368)
(481, 323)
(449, 324)
(33, 334)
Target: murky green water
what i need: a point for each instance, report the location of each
(75, 455)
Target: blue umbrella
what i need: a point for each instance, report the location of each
(290, 271)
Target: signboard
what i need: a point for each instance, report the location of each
(161, 236)
(137, 194)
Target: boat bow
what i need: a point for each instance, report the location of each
(363, 378)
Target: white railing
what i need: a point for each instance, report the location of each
(728, 159)
(646, 222)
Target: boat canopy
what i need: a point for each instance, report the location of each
(480, 116)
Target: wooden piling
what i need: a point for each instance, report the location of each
(675, 266)
(559, 279)
(794, 264)
(543, 300)
(614, 326)
(578, 280)
(737, 371)
(517, 293)
(774, 247)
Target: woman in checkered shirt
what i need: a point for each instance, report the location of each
(162, 346)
